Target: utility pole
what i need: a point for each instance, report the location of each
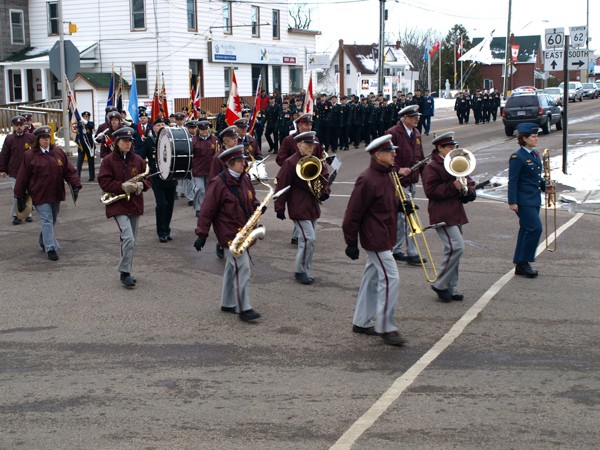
(507, 54)
(381, 44)
(63, 84)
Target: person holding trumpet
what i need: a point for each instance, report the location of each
(447, 196)
(525, 184)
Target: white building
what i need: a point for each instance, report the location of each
(174, 38)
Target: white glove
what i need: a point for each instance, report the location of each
(129, 187)
(139, 188)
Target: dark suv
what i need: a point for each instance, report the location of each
(537, 107)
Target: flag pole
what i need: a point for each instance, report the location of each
(440, 72)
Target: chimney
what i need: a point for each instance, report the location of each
(398, 45)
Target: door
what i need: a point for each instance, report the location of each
(85, 102)
(258, 70)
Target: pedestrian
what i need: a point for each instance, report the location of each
(371, 218)
(447, 197)
(525, 184)
(122, 174)
(229, 203)
(42, 175)
(15, 145)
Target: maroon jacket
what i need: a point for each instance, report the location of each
(216, 166)
(289, 146)
(251, 146)
(372, 210)
(204, 150)
(43, 176)
(410, 151)
(222, 208)
(114, 171)
(301, 202)
(13, 149)
(444, 200)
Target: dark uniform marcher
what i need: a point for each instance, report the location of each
(371, 217)
(116, 170)
(303, 204)
(272, 116)
(86, 148)
(230, 201)
(446, 204)
(42, 175)
(15, 145)
(525, 185)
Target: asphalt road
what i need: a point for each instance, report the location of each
(85, 363)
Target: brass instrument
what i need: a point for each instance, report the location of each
(109, 199)
(549, 199)
(415, 228)
(309, 169)
(252, 230)
(460, 162)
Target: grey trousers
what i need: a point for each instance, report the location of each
(47, 214)
(128, 226)
(199, 184)
(236, 279)
(452, 238)
(378, 293)
(306, 244)
(187, 189)
(402, 232)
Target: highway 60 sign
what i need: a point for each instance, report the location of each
(555, 38)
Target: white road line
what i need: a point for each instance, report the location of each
(400, 384)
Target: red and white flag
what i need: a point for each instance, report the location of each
(197, 104)
(234, 104)
(309, 101)
(460, 47)
(256, 108)
(435, 48)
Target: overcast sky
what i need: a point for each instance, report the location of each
(357, 21)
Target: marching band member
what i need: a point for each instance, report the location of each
(205, 146)
(29, 128)
(229, 203)
(141, 129)
(302, 203)
(371, 215)
(116, 172)
(250, 144)
(446, 204)
(42, 175)
(85, 145)
(105, 138)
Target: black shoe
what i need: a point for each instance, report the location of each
(414, 260)
(169, 238)
(92, 180)
(393, 338)
(220, 252)
(249, 315)
(127, 280)
(370, 331)
(29, 219)
(190, 202)
(458, 297)
(524, 269)
(17, 221)
(399, 256)
(197, 213)
(162, 239)
(443, 294)
(302, 277)
(52, 256)
(229, 309)
(294, 242)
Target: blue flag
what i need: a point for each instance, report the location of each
(111, 91)
(133, 109)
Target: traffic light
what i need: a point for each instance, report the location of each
(72, 28)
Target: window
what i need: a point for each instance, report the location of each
(488, 84)
(295, 79)
(138, 15)
(347, 69)
(191, 15)
(254, 20)
(56, 91)
(141, 78)
(275, 24)
(17, 28)
(197, 68)
(17, 86)
(336, 68)
(53, 18)
(227, 79)
(227, 19)
(277, 78)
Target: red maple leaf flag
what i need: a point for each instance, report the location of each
(234, 104)
(309, 101)
(460, 47)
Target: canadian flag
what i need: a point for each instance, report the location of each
(514, 48)
(309, 101)
(234, 104)
(460, 47)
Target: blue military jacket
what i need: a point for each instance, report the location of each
(525, 181)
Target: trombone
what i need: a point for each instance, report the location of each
(415, 228)
(549, 199)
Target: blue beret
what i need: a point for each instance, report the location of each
(527, 128)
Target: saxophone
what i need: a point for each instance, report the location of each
(252, 230)
(109, 199)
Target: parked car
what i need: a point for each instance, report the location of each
(590, 90)
(531, 106)
(575, 90)
(555, 93)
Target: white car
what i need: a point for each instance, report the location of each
(575, 90)
(555, 93)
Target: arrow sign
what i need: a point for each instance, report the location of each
(578, 63)
(553, 65)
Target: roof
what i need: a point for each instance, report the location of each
(362, 57)
(40, 54)
(396, 58)
(529, 47)
(100, 80)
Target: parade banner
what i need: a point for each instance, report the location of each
(234, 104)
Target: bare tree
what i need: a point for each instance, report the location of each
(413, 43)
(301, 15)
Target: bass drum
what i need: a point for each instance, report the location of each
(174, 153)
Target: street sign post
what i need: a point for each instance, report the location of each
(72, 61)
(578, 36)
(578, 58)
(554, 38)
(553, 60)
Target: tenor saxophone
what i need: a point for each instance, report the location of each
(109, 199)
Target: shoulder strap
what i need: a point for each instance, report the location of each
(235, 190)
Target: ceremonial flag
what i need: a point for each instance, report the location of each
(111, 90)
(234, 104)
(309, 101)
(163, 97)
(134, 111)
(74, 117)
(119, 93)
(460, 47)
(434, 49)
(155, 102)
(197, 104)
(256, 105)
(426, 51)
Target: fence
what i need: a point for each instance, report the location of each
(40, 115)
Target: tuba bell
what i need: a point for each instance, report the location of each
(309, 169)
(460, 162)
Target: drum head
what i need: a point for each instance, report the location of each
(164, 153)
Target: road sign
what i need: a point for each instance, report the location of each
(555, 38)
(72, 62)
(553, 60)
(578, 36)
(578, 58)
